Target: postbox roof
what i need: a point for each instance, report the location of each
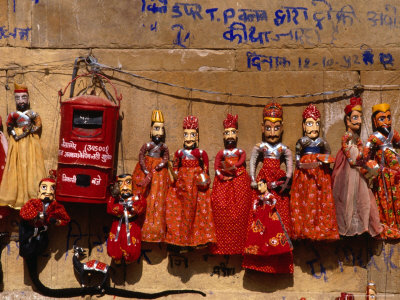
(90, 100)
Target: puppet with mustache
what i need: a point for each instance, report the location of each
(151, 179)
(272, 152)
(380, 150)
(356, 212)
(231, 189)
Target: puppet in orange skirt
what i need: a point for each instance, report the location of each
(151, 179)
(311, 202)
(188, 205)
(268, 247)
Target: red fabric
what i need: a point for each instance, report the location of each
(275, 264)
(273, 110)
(266, 235)
(191, 122)
(231, 121)
(188, 209)
(388, 206)
(354, 101)
(311, 204)
(3, 157)
(153, 229)
(271, 171)
(30, 210)
(267, 248)
(231, 203)
(119, 249)
(311, 111)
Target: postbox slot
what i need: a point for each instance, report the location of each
(83, 180)
(87, 119)
(87, 123)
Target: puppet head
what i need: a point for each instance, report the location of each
(371, 290)
(230, 131)
(157, 133)
(353, 117)
(47, 188)
(21, 97)
(125, 185)
(382, 118)
(311, 121)
(190, 132)
(272, 124)
(262, 186)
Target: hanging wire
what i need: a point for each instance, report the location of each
(190, 104)
(157, 100)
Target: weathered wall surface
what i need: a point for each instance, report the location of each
(246, 52)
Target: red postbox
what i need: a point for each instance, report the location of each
(86, 149)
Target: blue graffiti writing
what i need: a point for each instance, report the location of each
(320, 16)
(387, 258)
(211, 12)
(181, 38)
(322, 273)
(251, 15)
(387, 18)
(346, 14)
(386, 59)
(23, 33)
(238, 32)
(228, 14)
(153, 27)
(368, 57)
(290, 14)
(256, 60)
(157, 6)
(192, 10)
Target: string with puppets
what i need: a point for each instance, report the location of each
(91, 64)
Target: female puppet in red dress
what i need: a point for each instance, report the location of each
(231, 195)
(188, 204)
(311, 204)
(268, 247)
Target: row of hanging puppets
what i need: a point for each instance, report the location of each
(255, 215)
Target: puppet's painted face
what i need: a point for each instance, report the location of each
(311, 127)
(46, 190)
(230, 137)
(383, 120)
(190, 138)
(22, 101)
(125, 186)
(262, 187)
(157, 132)
(272, 131)
(354, 121)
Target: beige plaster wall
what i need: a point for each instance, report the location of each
(318, 46)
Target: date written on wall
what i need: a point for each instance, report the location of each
(366, 58)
